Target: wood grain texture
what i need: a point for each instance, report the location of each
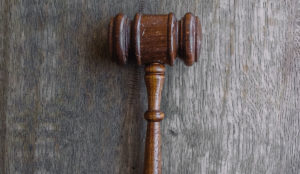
(154, 38)
(66, 108)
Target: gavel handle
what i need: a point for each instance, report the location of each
(154, 78)
(153, 149)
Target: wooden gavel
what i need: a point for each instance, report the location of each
(154, 40)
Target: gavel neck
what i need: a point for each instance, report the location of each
(154, 78)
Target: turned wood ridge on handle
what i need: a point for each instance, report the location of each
(154, 40)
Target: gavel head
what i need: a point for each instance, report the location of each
(155, 38)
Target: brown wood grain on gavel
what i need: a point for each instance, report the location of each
(154, 40)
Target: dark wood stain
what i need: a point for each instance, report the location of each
(5, 32)
(154, 38)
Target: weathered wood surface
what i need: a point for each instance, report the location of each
(66, 108)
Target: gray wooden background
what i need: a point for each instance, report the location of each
(66, 108)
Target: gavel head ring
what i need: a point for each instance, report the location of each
(155, 38)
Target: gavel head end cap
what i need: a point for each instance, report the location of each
(119, 38)
(190, 37)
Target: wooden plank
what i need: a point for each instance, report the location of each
(4, 39)
(237, 110)
(66, 108)
(66, 101)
